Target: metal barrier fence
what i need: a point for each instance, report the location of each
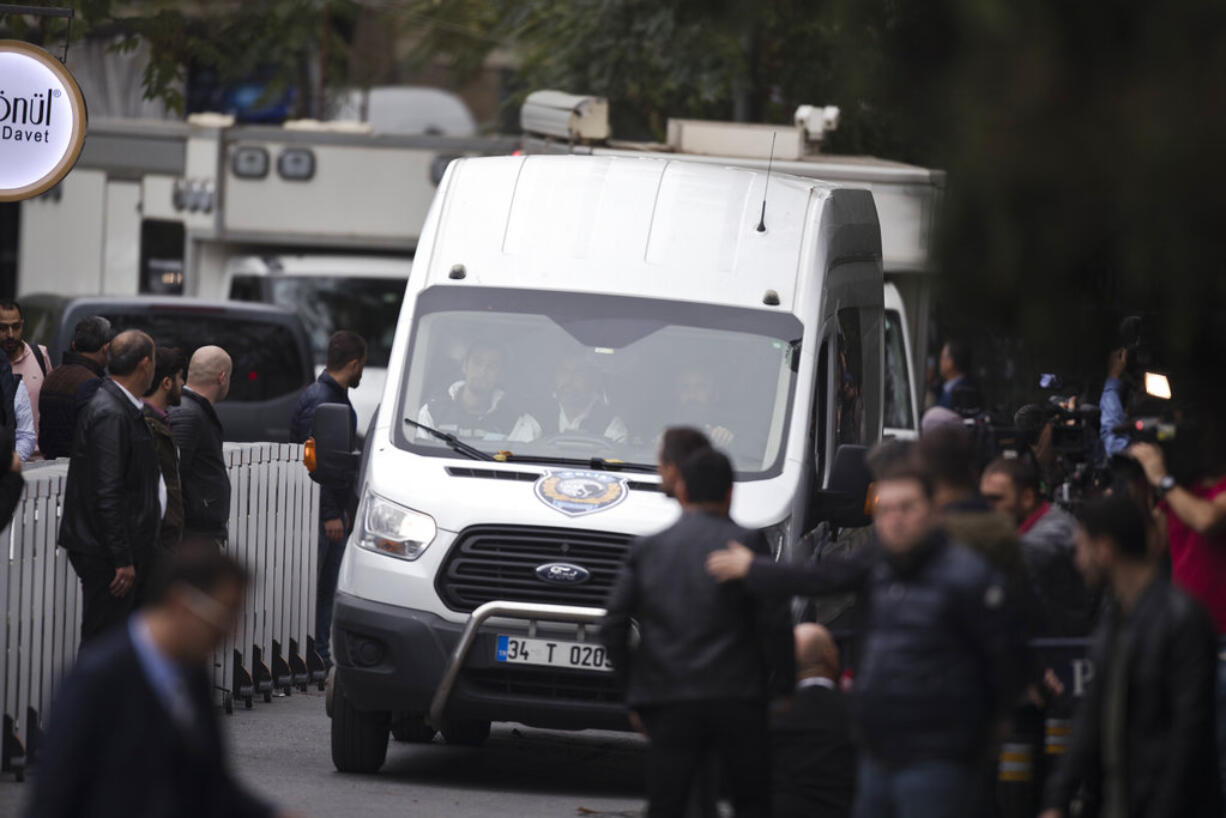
(274, 509)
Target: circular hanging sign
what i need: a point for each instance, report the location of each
(42, 121)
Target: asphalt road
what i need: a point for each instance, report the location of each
(281, 750)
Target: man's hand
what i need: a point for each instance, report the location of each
(1117, 362)
(125, 578)
(731, 563)
(1151, 459)
(15, 465)
(334, 530)
(720, 435)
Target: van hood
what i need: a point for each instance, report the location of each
(459, 493)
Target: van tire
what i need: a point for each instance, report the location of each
(359, 738)
(466, 733)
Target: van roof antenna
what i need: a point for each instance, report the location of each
(766, 187)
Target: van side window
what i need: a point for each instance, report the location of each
(849, 380)
(821, 398)
(898, 405)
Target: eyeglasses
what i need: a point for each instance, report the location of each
(209, 610)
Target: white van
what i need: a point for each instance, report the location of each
(658, 292)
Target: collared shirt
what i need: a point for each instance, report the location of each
(164, 675)
(615, 431)
(139, 404)
(816, 681)
(26, 443)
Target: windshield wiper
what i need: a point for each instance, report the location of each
(595, 463)
(451, 440)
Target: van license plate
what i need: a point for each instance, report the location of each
(552, 653)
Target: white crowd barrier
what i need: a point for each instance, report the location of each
(274, 512)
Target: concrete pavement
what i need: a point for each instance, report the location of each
(282, 750)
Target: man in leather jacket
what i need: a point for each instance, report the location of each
(198, 434)
(1144, 739)
(114, 496)
(709, 657)
(938, 657)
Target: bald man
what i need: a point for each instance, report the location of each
(814, 761)
(198, 434)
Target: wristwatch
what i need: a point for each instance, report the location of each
(1164, 485)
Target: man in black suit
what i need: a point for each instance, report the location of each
(134, 730)
(814, 760)
(710, 656)
(114, 496)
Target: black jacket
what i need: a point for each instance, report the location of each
(113, 750)
(168, 460)
(111, 507)
(1170, 749)
(941, 649)
(700, 640)
(812, 757)
(202, 466)
(60, 401)
(333, 499)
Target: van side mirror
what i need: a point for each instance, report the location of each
(329, 453)
(843, 502)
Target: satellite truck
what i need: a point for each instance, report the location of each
(683, 289)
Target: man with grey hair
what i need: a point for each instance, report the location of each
(198, 434)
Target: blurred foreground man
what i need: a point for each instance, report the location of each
(814, 760)
(1143, 743)
(134, 730)
(198, 434)
(710, 656)
(114, 497)
(939, 661)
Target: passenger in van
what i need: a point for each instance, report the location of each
(697, 406)
(580, 403)
(476, 407)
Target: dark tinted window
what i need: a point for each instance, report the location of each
(267, 363)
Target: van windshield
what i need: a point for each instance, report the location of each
(553, 375)
(368, 306)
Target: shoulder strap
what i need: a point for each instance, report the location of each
(38, 356)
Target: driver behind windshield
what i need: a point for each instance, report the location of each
(476, 407)
(580, 403)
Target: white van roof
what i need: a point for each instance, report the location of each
(651, 227)
(320, 265)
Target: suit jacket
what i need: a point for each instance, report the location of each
(700, 639)
(112, 749)
(812, 756)
(1170, 750)
(111, 507)
(202, 466)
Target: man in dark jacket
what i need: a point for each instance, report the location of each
(70, 386)
(1144, 739)
(814, 760)
(134, 730)
(166, 392)
(342, 371)
(710, 656)
(939, 657)
(198, 434)
(114, 495)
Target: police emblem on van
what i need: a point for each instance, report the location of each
(563, 573)
(576, 493)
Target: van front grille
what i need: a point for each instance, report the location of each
(490, 563)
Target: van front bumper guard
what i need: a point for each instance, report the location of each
(530, 612)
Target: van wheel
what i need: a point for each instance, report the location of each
(412, 730)
(359, 738)
(466, 733)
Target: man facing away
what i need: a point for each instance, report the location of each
(30, 361)
(114, 496)
(70, 385)
(938, 665)
(167, 391)
(134, 730)
(346, 359)
(710, 656)
(198, 434)
(1143, 741)
(814, 759)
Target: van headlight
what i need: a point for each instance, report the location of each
(390, 528)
